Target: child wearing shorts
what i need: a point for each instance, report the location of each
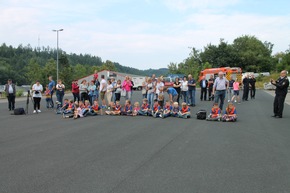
(127, 110)
(136, 109)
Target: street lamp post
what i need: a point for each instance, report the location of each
(57, 30)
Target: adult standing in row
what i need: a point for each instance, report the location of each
(103, 90)
(144, 85)
(10, 91)
(84, 90)
(51, 87)
(118, 91)
(220, 87)
(203, 88)
(281, 91)
(210, 86)
(127, 84)
(252, 82)
(246, 84)
(60, 91)
(92, 92)
(37, 89)
(184, 90)
(176, 86)
(150, 92)
(230, 89)
(191, 90)
(75, 90)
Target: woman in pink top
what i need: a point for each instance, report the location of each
(127, 84)
(236, 87)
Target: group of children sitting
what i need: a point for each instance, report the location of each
(230, 114)
(79, 109)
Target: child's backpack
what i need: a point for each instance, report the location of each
(201, 114)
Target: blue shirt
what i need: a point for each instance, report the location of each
(51, 84)
(172, 91)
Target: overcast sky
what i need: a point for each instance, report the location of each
(142, 33)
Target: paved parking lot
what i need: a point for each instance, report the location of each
(43, 153)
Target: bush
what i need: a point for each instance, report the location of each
(19, 93)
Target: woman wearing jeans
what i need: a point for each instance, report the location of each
(150, 92)
(184, 90)
(37, 89)
(60, 91)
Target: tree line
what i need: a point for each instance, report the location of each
(25, 65)
(246, 52)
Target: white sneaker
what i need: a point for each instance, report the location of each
(229, 101)
(39, 111)
(34, 111)
(235, 101)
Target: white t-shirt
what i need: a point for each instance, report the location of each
(150, 87)
(110, 88)
(184, 86)
(103, 85)
(60, 87)
(159, 86)
(38, 88)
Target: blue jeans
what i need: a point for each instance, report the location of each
(150, 98)
(191, 96)
(185, 96)
(59, 96)
(220, 95)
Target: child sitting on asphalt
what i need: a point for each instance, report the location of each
(215, 114)
(117, 109)
(127, 110)
(144, 108)
(70, 108)
(111, 108)
(230, 113)
(60, 109)
(184, 111)
(78, 113)
(95, 107)
(167, 109)
(136, 109)
(175, 109)
(156, 111)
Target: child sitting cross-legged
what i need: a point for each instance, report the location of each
(156, 111)
(144, 108)
(96, 107)
(127, 110)
(111, 108)
(167, 110)
(136, 109)
(117, 109)
(184, 111)
(70, 108)
(78, 112)
(175, 109)
(215, 114)
(91, 110)
(230, 113)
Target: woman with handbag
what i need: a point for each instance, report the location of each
(37, 89)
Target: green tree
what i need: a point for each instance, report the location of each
(33, 71)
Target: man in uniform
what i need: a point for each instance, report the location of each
(281, 91)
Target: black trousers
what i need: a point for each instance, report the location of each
(36, 101)
(246, 93)
(253, 92)
(76, 97)
(117, 96)
(11, 101)
(210, 93)
(279, 104)
(84, 96)
(203, 94)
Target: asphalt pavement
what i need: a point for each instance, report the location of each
(43, 153)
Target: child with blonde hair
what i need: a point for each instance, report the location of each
(184, 111)
(136, 109)
(175, 109)
(230, 113)
(167, 110)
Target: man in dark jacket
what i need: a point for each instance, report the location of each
(246, 84)
(203, 86)
(210, 86)
(10, 93)
(252, 82)
(281, 91)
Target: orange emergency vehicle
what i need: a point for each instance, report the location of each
(235, 72)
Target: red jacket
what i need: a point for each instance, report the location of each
(75, 88)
